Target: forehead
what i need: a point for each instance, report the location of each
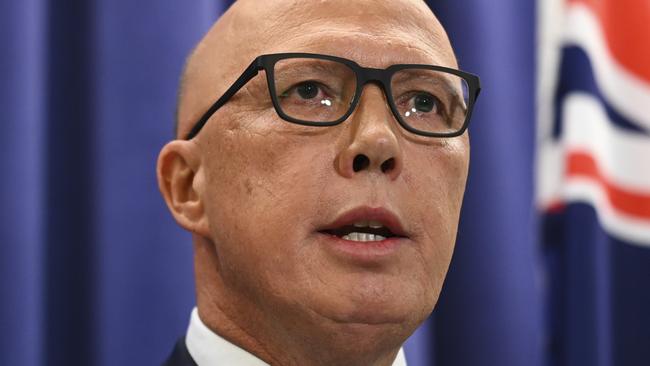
(367, 50)
(373, 33)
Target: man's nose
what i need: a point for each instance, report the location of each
(373, 145)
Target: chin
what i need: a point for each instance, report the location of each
(369, 328)
(373, 315)
(376, 296)
(375, 308)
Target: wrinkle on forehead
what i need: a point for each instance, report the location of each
(253, 27)
(368, 50)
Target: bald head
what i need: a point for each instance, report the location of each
(251, 28)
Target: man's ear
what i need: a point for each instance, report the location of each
(179, 180)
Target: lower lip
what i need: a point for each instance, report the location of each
(364, 251)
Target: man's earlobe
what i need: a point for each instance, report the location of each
(178, 172)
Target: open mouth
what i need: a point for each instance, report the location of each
(366, 224)
(362, 231)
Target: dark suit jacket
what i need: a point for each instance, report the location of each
(180, 356)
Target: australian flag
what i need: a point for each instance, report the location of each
(593, 179)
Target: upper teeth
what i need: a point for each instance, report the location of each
(370, 223)
(355, 236)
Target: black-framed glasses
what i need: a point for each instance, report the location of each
(321, 90)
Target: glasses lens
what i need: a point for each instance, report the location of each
(430, 100)
(314, 90)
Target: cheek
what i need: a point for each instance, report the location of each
(256, 209)
(249, 163)
(438, 175)
(436, 179)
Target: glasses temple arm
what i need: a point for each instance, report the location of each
(250, 72)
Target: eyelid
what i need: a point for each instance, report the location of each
(438, 83)
(410, 94)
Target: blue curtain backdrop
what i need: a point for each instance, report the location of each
(93, 271)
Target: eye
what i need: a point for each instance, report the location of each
(425, 102)
(304, 90)
(307, 90)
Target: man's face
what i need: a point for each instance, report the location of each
(272, 191)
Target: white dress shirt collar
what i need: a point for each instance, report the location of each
(207, 348)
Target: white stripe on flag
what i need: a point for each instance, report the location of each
(549, 159)
(621, 155)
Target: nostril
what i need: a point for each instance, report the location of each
(360, 162)
(388, 165)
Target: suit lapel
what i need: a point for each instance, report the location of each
(180, 356)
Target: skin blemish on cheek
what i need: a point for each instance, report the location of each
(249, 186)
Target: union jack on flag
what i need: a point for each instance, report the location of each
(593, 179)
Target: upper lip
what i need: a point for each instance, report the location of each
(386, 217)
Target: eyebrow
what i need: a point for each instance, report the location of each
(424, 73)
(317, 64)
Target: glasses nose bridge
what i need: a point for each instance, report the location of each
(370, 75)
(379, 77)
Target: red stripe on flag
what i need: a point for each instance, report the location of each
(626, 24)
(555, 207)
(580, 164)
